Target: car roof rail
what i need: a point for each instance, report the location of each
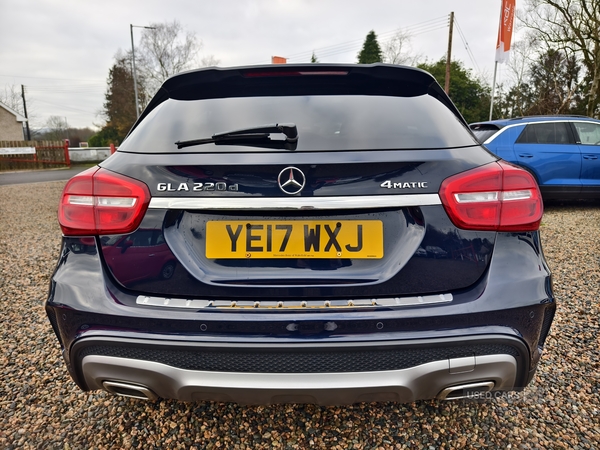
(550, 116)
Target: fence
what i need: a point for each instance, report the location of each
(26, 155)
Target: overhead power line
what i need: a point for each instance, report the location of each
(411, 30)
(66, 90)
(466, 44)
(66, 107)
(56, 79)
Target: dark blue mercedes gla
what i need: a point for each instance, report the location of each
(315, 233)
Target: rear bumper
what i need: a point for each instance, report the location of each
(414, 370)
(492, 333)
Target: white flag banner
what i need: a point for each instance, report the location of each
(505, 31)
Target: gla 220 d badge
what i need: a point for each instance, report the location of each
(196, 187)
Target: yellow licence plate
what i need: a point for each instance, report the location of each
(357, 239)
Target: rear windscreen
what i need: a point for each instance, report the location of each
(483, 135)
(484, 131)
(324, 123)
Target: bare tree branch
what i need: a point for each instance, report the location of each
(164, 51)
(574, 27)
(11, 97)
(397, 49)
(209, 61)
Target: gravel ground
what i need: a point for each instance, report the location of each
(40, 407)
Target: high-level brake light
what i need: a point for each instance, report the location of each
(98, 201)
(292, 73)
(497, 197)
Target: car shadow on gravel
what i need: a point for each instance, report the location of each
(583, 203)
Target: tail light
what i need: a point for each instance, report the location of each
(98, 201)
(496, 197)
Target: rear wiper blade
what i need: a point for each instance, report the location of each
(289, 129)
(261, 132)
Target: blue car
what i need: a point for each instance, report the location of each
(562, 152)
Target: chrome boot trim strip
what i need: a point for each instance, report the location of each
(294, 203)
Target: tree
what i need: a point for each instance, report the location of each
(106, 136)
(519, 97)
(119, 106)
(573, 27)
(396, 49)
(11, 97)
(554, 83)
(313, 58)
(78, 135)
(513, 101)
(165, 50)
(210, 61)
(371, 51)
(470, 95)
(57, 128)
(542, 83)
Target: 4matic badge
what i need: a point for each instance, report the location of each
(405, 185)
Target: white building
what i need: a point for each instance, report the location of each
(11, 124)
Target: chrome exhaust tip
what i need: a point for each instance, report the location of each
(465, 390)
(129, 390)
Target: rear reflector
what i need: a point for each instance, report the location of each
(495, 197)
(98, 201)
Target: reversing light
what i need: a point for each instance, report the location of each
(516, 195)
(117, 202)
(497, 197)
(81, 200)
(476, 197)
(98, 201)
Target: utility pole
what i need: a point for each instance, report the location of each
(135, 89)
(25, 113)
(493, 90)
(137, 103)
(449, 55)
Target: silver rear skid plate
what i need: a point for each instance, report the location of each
(270, 304)
(430, 380)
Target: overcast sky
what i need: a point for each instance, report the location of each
(62, 50)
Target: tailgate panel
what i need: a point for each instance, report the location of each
(410, 245)
(402, 235)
